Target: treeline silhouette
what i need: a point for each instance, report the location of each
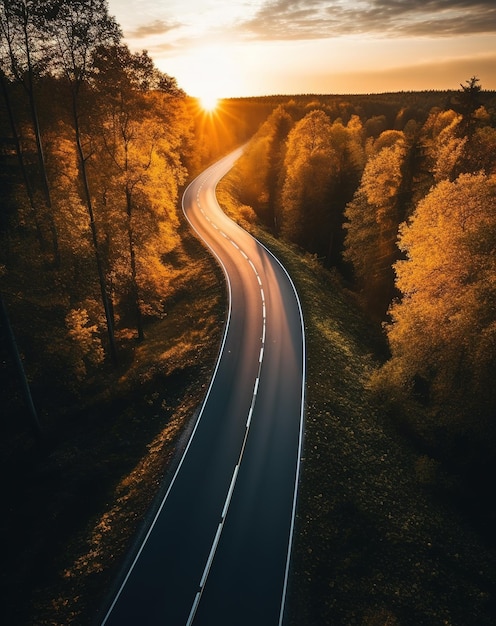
(398, 193)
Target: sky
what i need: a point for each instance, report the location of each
(232, 48)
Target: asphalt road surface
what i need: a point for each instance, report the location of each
(218, 550)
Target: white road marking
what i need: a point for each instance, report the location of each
(227, 502)
(193, 609)
(230, 492)
(211, 555)
(248, 421)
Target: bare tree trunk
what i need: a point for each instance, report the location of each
(39, 147)
(22, 165)
(16, 357)
(132, 255)
(94, 234)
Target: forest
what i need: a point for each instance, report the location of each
(395, 194)
(399, 197)
(389, 202)
(109, 307)
(96, 144)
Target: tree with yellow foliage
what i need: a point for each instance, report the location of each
(311, 167)
(23, 59)
(445, 145)
(136, 163)
(261, 167)
(373, 217)
(443, 330)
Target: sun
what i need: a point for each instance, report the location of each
(208, 102)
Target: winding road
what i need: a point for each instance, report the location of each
(218, 550)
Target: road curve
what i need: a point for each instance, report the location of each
(217, 552)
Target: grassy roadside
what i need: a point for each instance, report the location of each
(377, 541)
(75, 504)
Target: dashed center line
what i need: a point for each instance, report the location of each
(248, 421)
(257, 382)
(247, 428)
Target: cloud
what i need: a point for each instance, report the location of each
(157, 27)
(314, 19)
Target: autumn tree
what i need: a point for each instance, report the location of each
(311, 165)
(24, 58)
(452, 147)
(77, 29)
(444, 144)
(481, 153)
(116, 70)
(443, 329)
(281, 170)
(261, 167)
(280, 124)
(138, 169)
(348, 143)
(476, 125)
(253, 168)
(8, 332)
(373, 217)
